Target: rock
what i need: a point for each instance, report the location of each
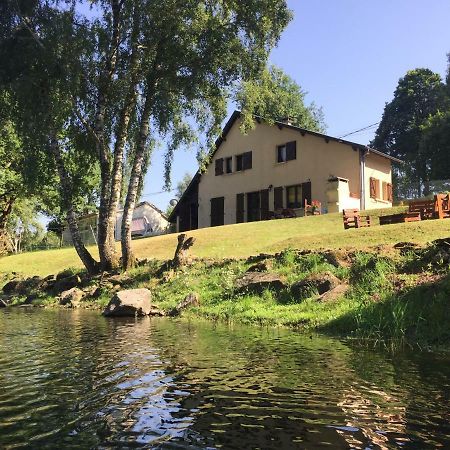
(257, 282)
(64, 274)
(130, 302)
(143, 262)
(71, 297)
(262, 266)
(48, 283)
(192, 299)
(22, 287)
(334, 294)
(320, 282)
(30, 299)
(258, 258)
(92, 291)
(119, 279)
(10, 286)
(65, 284)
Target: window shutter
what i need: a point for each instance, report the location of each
(384, 194)
(264, 204)
(247, 163)
(239, 208)
(389, 192)
(291, 150)
(278, 198)
(373, 192)
(219, 166)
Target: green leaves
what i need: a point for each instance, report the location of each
(419, 95)
(275, 96)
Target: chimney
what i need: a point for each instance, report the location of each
(287, 120)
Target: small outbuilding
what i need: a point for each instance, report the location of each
(148, 220)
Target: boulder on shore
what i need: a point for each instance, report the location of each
(11, 286)
(335, 294)
(131, 302)
(257, 282)
(261, 266)
(192, 299)
(317, 282)
(71, 297)
(64, 284)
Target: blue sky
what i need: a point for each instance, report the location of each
(348, 55)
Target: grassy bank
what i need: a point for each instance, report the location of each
(391, 297)
(386, 294)
(243, 240)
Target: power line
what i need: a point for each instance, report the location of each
(358, 131)
(148, 194)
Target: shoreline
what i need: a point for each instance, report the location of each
(396, 295)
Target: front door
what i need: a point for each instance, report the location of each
(217, 211)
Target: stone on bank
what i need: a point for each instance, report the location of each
(131, 303)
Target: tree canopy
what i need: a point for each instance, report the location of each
(419, 95)
(276, 96)
(99, 88)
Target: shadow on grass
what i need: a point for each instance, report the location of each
(419, 316)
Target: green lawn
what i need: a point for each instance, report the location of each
(246, 239)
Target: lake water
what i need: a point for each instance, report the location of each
(72, 379)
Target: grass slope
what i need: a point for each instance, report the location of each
(242, 240)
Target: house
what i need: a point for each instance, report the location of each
(279, 166)
(148, 220)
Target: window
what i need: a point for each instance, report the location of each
(281, 153)
(294, 196)
(219, 166)
(243, 161)
(374, 188)
(247, 160)
(229, 164)
(287, 152)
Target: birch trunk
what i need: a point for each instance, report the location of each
(133, 185)
(121, 138)
(105, 243)
(66, 193)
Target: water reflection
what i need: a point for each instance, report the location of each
(71, 379)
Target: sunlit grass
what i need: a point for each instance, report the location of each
(242, 240)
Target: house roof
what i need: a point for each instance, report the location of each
(303, 131)
(151, 206)
(95, 214)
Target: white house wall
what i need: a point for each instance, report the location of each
(157, 222)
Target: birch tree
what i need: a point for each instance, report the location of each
(127, 73)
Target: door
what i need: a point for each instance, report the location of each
(253, 207)
(194, 216)
(240, 211)
(217, 211)
(265, 204)
(306, 193)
